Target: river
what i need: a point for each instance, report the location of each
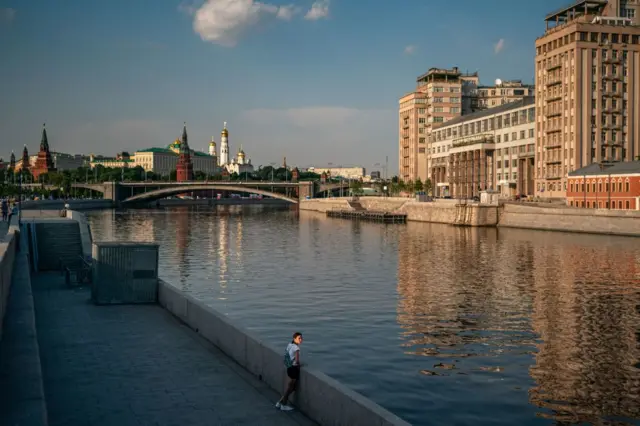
(441, 325)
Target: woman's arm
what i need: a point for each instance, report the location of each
(298, 358)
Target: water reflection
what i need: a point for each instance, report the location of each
(477, 302)
(454, 326)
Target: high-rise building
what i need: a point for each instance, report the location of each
(442, 95)
(587, 90)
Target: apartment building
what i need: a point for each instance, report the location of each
(502, 93)
(485, 150)
(442, 95)
(587, 90)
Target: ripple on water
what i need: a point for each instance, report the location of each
(441, 325)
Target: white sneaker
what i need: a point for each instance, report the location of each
(278, 405)
(285, 407)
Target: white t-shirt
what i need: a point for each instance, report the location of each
(292, 348)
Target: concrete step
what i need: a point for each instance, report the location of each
(58, 241)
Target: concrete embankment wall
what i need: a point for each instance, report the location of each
(594, 221)
(170, 202)
(73, 204)
(8, 247)
(320, 397)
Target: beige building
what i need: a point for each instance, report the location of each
(502, 93)
(485, 150)
(344, 172)
(587, 90)
(440, 96)
(163, 161)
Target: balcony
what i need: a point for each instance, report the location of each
(554, 98)
(555, 66)
(612, 61)
(552, 114)
(474, 139)
(551, 162)
(554, 130)
(612, 94)
(612, 127)
(612, 143)
(612, 77)
(553, 145)
(554, 82)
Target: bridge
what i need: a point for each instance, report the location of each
(149, 191)
(144, 192)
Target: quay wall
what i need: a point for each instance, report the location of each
(539, 217)
(221, 202)
(73, 204)
(320, 397)
(8, 248)
(593, 221)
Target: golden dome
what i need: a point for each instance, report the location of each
(224, 132)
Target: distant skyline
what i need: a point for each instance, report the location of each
(315, 81)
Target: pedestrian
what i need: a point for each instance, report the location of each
(5, 210)
(293, 364)
(14, 210)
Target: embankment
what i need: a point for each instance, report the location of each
(549, 218)
(320, 397)
(594, 221)
(73, 204)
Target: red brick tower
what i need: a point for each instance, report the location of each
(184, 169)
(44, 163)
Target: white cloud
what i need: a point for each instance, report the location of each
(499, 46)
(7, 15)
(410, 50)
(223, 21)
(319, 9)
(286, 13)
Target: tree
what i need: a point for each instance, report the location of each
(356, 188)
(428, 186)
(418, 186)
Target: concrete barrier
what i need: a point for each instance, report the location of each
(85, 232)
(324, 204)
(320, 397)
(593, 221)
(8, 246)
(73, 204)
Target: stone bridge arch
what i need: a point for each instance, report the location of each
(175, 190)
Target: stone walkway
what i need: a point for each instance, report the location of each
(137, 365)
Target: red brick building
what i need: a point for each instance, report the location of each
(44, 162)
(184, 168)
(605, 186)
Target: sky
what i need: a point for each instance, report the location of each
(315, 81)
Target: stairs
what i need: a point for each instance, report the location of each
(355, 205)
(58, 241)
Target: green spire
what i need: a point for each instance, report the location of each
(184, 146)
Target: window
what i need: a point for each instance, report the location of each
(420, 150)
(438, 119)
(506, 137)
(619, 186)
(620, 205)
(421, 120)
(628, 205)
(522, 134)
(514, 136)
(438, 109)
(531, 134)
(438, 89)
(454, 100)
(421, 140)
(627, 187)
(455, 110)
(438, 100)
(514, 163)
(421, 110)
(499, 164)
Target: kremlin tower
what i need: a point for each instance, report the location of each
(224, 146)
(184, 169)
(44, 163)
(12, 162)
(25, 159)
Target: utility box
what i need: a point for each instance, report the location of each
(124, 273)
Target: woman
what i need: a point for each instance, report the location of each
(292, 363)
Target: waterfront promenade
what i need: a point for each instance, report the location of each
(118, 365)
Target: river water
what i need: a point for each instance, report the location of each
(441, 325)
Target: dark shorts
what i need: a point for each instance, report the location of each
(293, 372)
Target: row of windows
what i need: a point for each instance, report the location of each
(602, 204)
(489, 124)
(615, 187)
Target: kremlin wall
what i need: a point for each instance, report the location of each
(158, 160)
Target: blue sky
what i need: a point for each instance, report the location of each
(316, 82)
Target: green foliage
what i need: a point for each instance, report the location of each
(356, 188)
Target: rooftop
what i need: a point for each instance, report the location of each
(157, 150)
(527, 101)
(622, 168)
(577, 8)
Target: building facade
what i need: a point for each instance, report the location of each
(599, 186)
(587, 70)
(337, 172)
(485, 150)
(442, 95)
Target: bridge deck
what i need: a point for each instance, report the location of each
(137, 365)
